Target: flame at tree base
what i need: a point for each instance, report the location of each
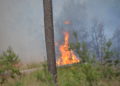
(67, 56)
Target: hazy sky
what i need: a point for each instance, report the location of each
(21, 26)
(21, 23)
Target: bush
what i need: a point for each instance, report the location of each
(79, 74)
(8, 65)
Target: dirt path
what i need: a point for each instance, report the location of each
(29, 70)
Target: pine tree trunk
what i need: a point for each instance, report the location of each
(49, 38)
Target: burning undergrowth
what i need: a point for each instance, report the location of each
(67, 56)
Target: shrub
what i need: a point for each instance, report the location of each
(8, 65)
(79, 74)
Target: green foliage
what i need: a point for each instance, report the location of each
(91, 73)
(80, 48)
(8, 62)
(110, 73)
(79, 74)
(44, 76)
(108, 53)
(75, 35)
(84, 52)
(117, 62)
(18, 84)
(73, 75)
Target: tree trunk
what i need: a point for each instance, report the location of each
(49, 38)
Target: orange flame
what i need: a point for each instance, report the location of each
(67, 22)
(67, 56)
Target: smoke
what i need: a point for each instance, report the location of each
(82, 14)
(21, 27)
(70, 18)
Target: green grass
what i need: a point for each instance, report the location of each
(75, 75)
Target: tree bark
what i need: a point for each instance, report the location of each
(49, 38)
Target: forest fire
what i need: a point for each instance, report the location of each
(67, 55)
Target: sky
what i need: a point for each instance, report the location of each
(22, 23)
